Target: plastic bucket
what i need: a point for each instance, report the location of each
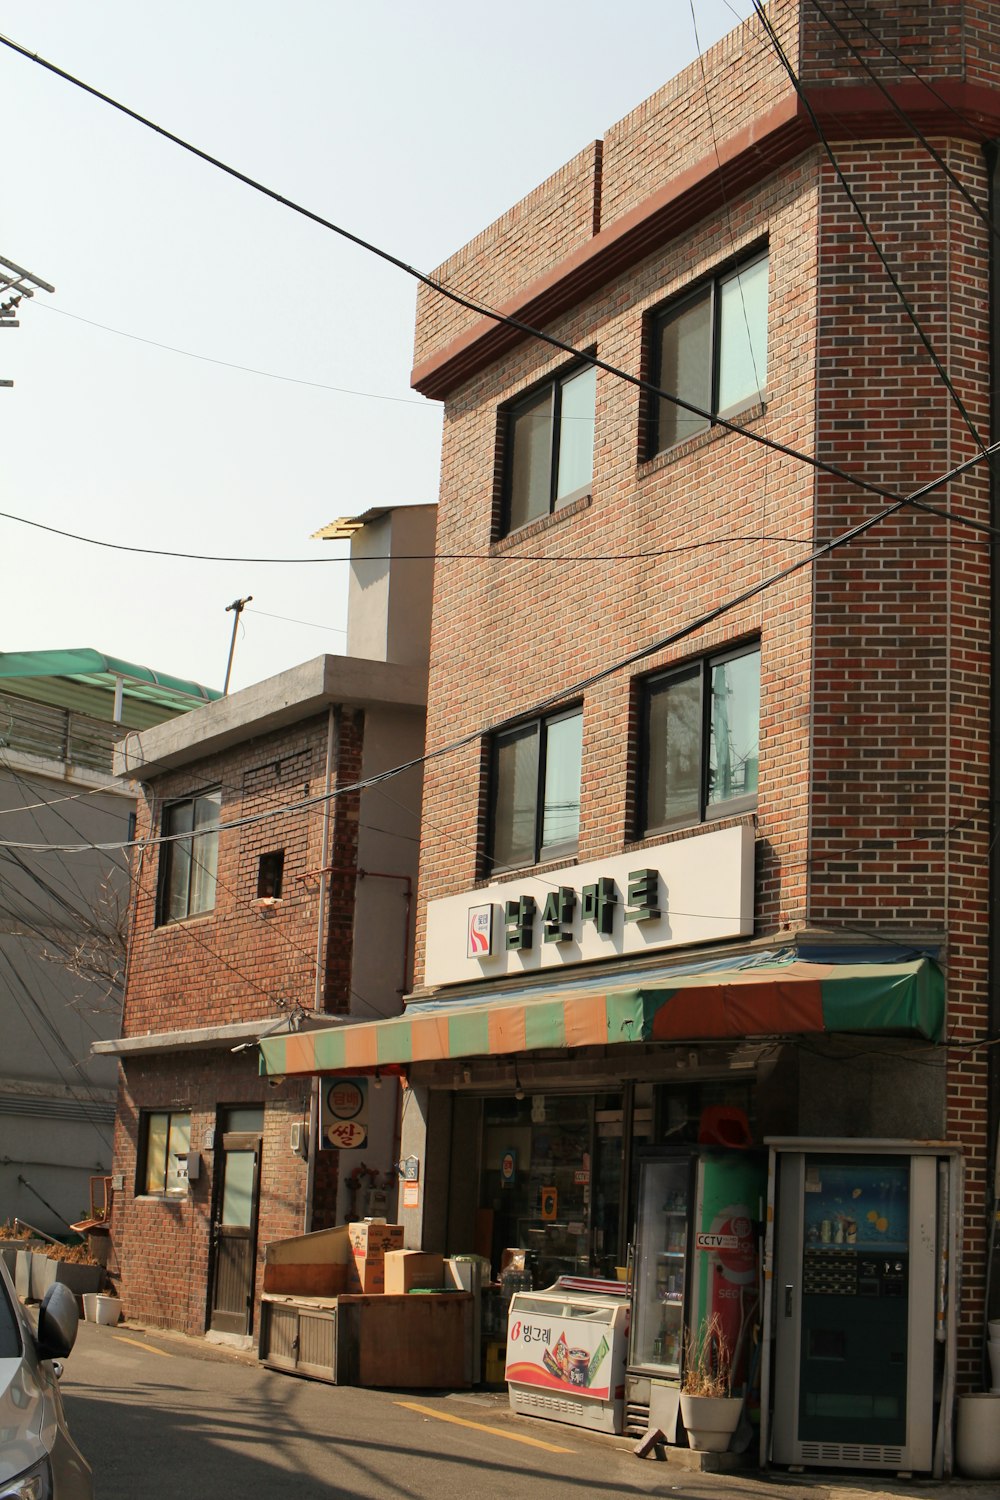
(977, 1439)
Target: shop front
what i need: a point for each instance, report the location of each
(569, 1032)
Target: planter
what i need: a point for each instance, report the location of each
(977, 1437)
(710, 1420)
(79, 1278)
(24, 1275)
(99, 1308)
(9, 1250)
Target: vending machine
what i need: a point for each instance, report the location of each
(859, 1254)
(696, 1253)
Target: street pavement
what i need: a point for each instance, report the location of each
(159, 1416)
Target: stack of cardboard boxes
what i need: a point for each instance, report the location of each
(379, 1264)
(369, 1243)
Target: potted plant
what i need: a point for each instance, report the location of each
(709, 1410)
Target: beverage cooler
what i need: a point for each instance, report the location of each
(860, 1259)
(696, 1253)
(566, 1350)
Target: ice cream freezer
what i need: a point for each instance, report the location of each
(566, 1349)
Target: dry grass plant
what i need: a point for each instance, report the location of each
(708, 1363)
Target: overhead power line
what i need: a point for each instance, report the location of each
(571, 690)
(470, 304)
(228, 364)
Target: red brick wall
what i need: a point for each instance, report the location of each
(900, 745)
(233, 964)
(162, 1247)
(875, 712)
(542, 624)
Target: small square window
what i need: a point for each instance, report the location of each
(166, 1141)
(549, 454)
(188, 857)
(710, 349)
(701, 737)
(270, 872)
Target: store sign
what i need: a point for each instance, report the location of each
(480, 934)
(344, 1113)
(691, 890)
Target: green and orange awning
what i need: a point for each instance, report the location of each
(784, 998)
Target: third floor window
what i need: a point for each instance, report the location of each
(709, 348)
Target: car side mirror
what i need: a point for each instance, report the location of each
(58, 1321)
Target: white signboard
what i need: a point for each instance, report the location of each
(690, 890)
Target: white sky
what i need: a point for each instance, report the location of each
(413, 123)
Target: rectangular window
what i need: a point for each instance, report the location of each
(710, 348)
(535, 779)
(163, 1165)
(701, 741)
(550, 447)
(188, 863)
(270, 875)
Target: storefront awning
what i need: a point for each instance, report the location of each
(787, 997)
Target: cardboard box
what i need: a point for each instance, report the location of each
(366, 1275)
(375, 1237)
(412, 1270)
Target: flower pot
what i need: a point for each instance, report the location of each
(977, 1438)
(100, 1308)
(710, 1420)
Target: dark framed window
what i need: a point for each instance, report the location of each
(270, 875)
(188, 861)
(549, 449)
(701, 737)
(165, 1143)
(710, 348)
(535, 790)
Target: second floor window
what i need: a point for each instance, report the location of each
(535, 786)
(188, 863)
(710, 348)
(549, 453)
(701, 741)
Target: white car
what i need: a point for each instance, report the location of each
(38, 1458)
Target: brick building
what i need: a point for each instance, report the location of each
(269, 888)
(710, 856)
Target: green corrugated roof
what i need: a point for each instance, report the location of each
(93, 668)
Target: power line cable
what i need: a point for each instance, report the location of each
(506, 556)
(227, 364)
(863, 220)
(480, 309)
(574, 690)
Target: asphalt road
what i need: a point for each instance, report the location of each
(161, 1417)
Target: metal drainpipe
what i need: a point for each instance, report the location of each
(992, 154)
(332, 750)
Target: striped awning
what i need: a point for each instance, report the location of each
(785, 998)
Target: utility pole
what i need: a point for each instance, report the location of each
(238, 606)
(20, 283)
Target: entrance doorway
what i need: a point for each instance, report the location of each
(234, 1220)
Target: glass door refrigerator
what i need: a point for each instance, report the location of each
(696, 1253)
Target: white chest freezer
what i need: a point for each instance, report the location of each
(566, 1349)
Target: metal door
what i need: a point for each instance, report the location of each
(234, 1234)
